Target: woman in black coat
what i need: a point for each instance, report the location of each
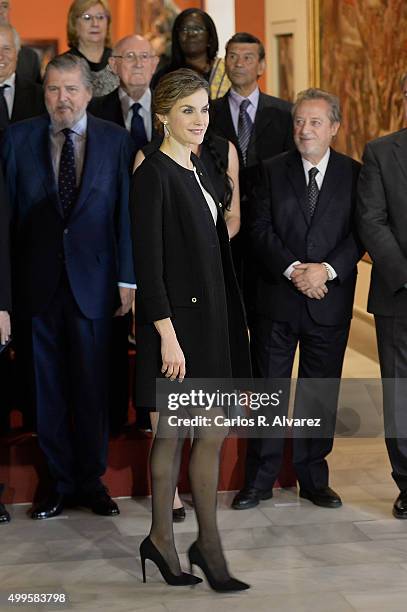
(190, 319)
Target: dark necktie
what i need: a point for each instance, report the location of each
(244, 128)
(313, 191)
(68, 191)
(4, 118)
(137, 130)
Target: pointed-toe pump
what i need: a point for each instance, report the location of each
(149, 551)
(222, 586)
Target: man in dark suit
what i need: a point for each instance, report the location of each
(5, 293)
(134, 62)
(260, 127)
(28, 63)
(382, 218)
(304, 242)
(68, 181)
(19, 98)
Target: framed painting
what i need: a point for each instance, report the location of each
(46, 49)
(358, 51)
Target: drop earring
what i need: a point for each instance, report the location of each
(166, 130)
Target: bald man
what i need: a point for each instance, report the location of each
(134, 61)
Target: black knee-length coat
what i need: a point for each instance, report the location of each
(184, 271)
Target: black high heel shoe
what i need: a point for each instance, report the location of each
(149, 551)
(222, 586)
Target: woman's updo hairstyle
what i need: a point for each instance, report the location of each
(173, 87)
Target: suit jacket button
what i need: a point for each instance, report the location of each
(194, 300)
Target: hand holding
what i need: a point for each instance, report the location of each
(309, 276)
(172, 357)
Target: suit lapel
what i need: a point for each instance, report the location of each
(262, 119)
(329, 186)
(41, 151)
(96, 145)
(295, 171)
(400, 151)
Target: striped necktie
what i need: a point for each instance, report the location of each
(244, 128)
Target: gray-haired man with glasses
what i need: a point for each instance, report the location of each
(134, 62)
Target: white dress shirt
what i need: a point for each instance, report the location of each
(322, 166)
(144, 112)
(10, 92)
(235, 101)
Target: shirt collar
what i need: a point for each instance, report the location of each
(127, 102)
(322, 165)
(11, 81)
(79, 128)
(237, 98)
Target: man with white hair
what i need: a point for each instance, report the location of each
(134, 62)
(28, 63)
(19, 98)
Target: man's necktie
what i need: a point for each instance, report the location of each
(313, 191)
(4, 118)
(137, 130)
(244, 128)
(68, 191)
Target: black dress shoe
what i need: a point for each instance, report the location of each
(52, 506)
(4, 515)
(326, 497)
(100, 502)
(178, 514)
(400, 506)
(250, 498)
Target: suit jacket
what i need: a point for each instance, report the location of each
(272, 134)
(283, 232)
(5, 283)
(28, 65)
(93, 245)
(382, 221)
(109, 108)
(28, 100)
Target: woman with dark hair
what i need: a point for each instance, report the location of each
(190, 319)
(88, 30)
(195, 45)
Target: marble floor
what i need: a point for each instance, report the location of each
(297, 558)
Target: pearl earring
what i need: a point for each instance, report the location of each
(166, 130)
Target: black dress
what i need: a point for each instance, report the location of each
(184, 271)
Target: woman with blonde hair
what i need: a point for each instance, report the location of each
(89, 37)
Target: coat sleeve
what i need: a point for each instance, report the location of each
(147, 205)
(266, 245)
(344, 257)
(373, 224)
(124, 241)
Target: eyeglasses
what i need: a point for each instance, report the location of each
(86, 17)
(132, 56)
(196, 30)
